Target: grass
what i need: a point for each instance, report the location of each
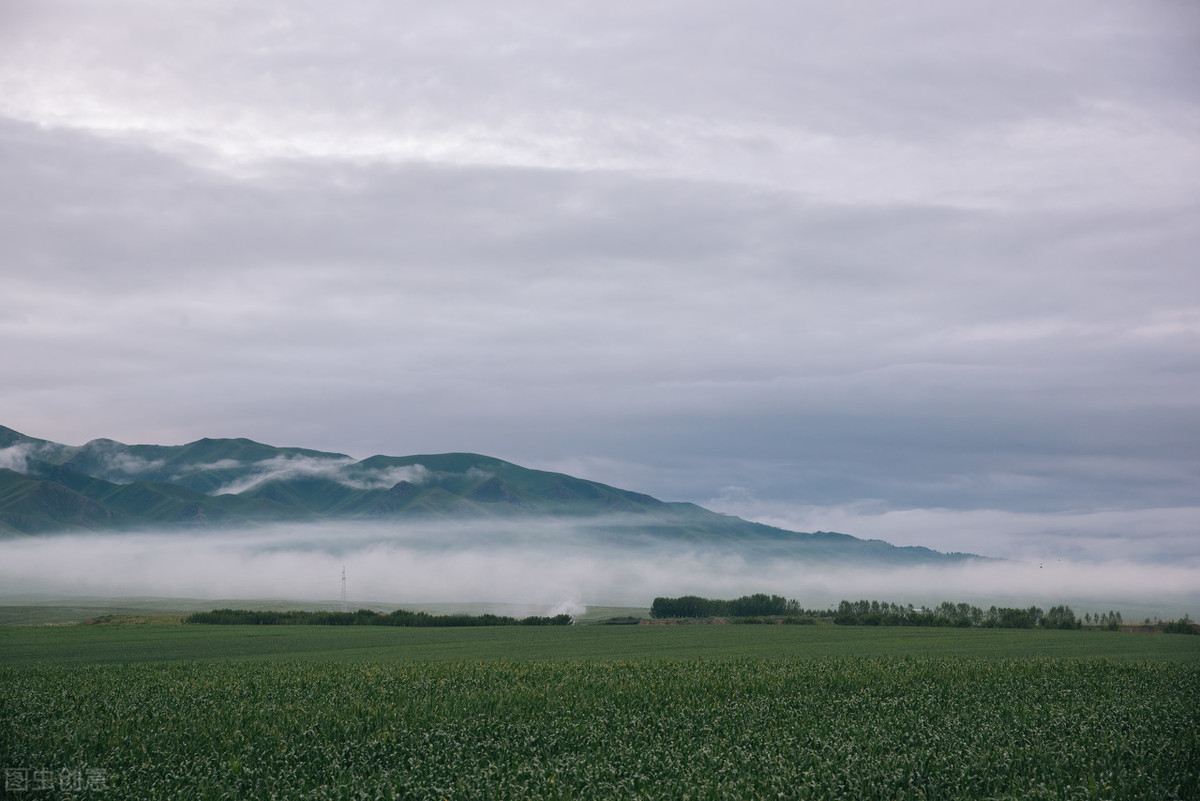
(48, 645)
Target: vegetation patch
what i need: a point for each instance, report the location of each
(1181, 626)
(364, 617)
(134, 620)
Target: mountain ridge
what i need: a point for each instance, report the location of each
(105, 485)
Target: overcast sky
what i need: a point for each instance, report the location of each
(927, 271)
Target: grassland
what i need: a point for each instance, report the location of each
(48, 645)
(602, 712)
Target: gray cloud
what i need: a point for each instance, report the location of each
(902, 104)
(926, 261)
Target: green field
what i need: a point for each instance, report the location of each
(46, 645)
(598, 712)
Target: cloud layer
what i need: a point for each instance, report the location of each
(936, 264)
(541, 567)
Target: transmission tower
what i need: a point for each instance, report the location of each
(344, 588)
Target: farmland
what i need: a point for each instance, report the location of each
(602, 712)
(46, 645)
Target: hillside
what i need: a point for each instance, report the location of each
(47, 488)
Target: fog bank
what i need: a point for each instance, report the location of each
(544, 567)
(1166, 535)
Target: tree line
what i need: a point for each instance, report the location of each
(757, 605)
(882, 613)
(877, 613)
(364, 617)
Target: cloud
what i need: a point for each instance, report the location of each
(129, 465)
(16, 457)
(916, 261)
(389, 476)
(905, 107)
(543, 567)
(220, 464)
(282, 467)
(342, 470)
(1102, 535)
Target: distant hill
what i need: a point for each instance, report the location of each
(46, 488)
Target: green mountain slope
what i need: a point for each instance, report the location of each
(46, 487)
(35, 506)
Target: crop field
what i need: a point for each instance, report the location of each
(695, 712)
(46, 645)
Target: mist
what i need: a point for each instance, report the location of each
(1144, 535)
(544, 567)
(345, 471)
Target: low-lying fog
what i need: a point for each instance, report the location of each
(547, 567)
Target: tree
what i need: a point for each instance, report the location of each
(1060, 617)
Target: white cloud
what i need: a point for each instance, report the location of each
(542, 567)
(220, 464)
(387, 477)
(284, 467)
(1152, 535)
(16, 457)
(342, 470)
(128, 464)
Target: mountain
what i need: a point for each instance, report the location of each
(46, 487)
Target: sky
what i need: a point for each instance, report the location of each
(926, 273)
